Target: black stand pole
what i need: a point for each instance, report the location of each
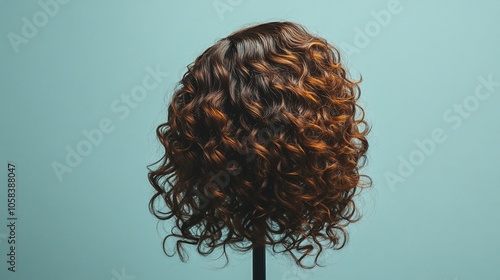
(259, 263)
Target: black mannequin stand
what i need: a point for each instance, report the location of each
(259, 263)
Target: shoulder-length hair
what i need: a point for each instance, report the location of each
(262, 146)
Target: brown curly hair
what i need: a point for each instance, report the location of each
(262, 146)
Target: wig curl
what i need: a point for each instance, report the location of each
(263, 144)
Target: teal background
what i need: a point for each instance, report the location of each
(439, 222)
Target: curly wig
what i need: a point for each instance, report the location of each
(262, 146)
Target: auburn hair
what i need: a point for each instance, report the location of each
(263, 144)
